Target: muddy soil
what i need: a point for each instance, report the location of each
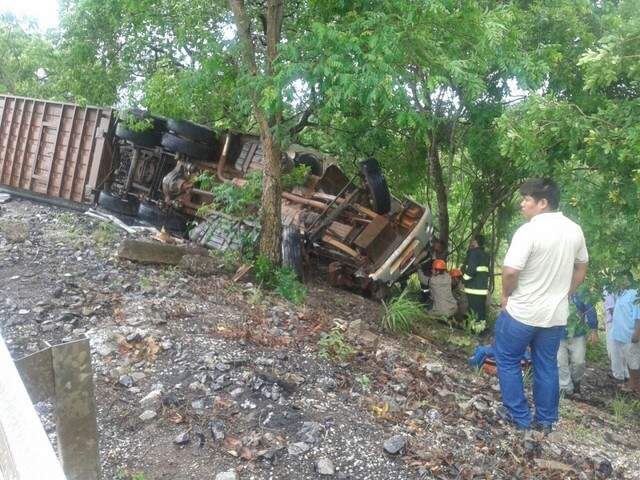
(200, 377)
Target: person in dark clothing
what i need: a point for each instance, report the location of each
(438, 252)
(475, 274)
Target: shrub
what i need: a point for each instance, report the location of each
(401, 312)
(243, 201)
(333, 346)
(282, 280)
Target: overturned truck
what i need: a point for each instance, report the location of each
(144, 167)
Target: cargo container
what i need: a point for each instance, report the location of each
(58, 150)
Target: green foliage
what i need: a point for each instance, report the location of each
(625, 408)
(296, 178)
(239, 201)
(333, 346)
(125, 474)
(424, 86)
(280, 279)
(364, 382)
(244, 201)
(105, 234)
(472, 326)
(597, 354)
(401, 312)
(144, 282)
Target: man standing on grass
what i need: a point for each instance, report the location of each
(545, 263)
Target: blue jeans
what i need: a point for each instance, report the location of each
(512, 340)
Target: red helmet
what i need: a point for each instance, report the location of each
(455, 273)
(439, 264)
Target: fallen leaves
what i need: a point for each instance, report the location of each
(138, 350)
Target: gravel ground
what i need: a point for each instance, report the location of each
(198, 376)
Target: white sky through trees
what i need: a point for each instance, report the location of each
(44, 12)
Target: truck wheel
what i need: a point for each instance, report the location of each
(123, 206)
(292, 249)
(192, 131)
(148, 139)
(155, 216)
(310, 161)
(197, 151)
(377, 185)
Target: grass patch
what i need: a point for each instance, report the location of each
(281, 280)
(144, 283)
(105, 234)
(364, 382)
(597, 354)
(625, 408)
(401, 312)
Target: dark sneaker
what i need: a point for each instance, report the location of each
(576, 388)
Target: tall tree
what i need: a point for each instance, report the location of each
(586, 134)
(268, 120)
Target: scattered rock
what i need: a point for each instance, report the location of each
(395, 444)
(298, 448)
(152, 399)
(148, 415)
(126, 381)
(137, 376)
(324, 466)
(170, 400)
(199, 266)
(434, 367)
(310, 432)
(217, 430)
(181, 438)
(228, 475)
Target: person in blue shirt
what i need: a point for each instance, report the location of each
(625, 331)
(573, 346)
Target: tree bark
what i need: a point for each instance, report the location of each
(441, 189)
(270, 213)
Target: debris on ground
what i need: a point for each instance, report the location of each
(198, 376)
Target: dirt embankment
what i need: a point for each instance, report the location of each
(198, 377)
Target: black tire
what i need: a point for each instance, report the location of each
(170, 220)
(310, 161)
(379, 194)
(192, 131)
(122, 206)
(292, 249)
(147, 139)
(197, 151)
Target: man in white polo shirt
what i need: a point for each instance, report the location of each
(545, 263)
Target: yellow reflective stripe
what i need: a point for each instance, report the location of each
(476, 291)
(482, 269)
(466, 277)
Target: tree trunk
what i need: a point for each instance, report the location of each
(270, 214)
(441, 189)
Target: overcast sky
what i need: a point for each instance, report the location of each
(45, 12)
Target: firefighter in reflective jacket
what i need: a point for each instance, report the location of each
(475, 275)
